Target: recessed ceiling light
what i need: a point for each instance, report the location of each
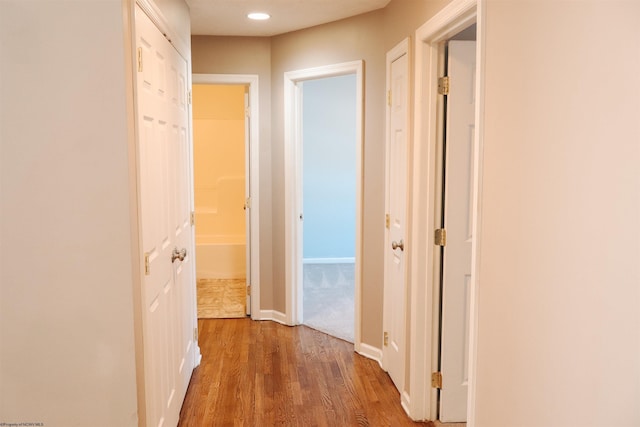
(258, 16)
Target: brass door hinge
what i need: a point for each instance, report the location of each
(387, 220)
(139, 59)
(147, 268)
(440, 238)
(195, 334)
(386, 339)
(444, 85)
(249, 290)
(192, 218)
(189, 98)
(389, 97)
(436, 380)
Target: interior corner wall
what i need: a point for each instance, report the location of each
(248, 55)
(559, 274)
(66, 308)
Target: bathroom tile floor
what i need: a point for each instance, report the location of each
(221, 298)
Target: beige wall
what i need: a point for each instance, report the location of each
(559, 297)
(218, 161)
(66, 276)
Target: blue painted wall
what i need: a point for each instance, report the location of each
(329, 167)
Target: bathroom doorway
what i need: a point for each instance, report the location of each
(222, 198)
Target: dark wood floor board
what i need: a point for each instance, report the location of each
(267, 374)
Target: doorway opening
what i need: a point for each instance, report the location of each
(329, 204)
(224, 176)
(323, 184)
(430, 187)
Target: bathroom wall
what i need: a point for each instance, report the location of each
(219, 180)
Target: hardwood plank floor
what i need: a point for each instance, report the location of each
(267, 374)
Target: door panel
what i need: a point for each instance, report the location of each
(168, 288)
(395, 271)
(458, 223)
(247, 195)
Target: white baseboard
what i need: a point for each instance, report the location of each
(329, 260)
(273, 315)
(370, 352)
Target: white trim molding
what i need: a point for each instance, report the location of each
(426, 195)
(273, 315)
(157, 17)
(252, 81)
(370, 352)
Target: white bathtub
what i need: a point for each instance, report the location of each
(221, 257)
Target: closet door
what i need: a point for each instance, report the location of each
(168, 288)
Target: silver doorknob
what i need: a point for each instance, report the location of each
(395, 245)
(178, 254)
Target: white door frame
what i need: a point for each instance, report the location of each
(427, 195)
(254, 173)
(293, 187)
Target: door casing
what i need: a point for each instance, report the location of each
(427, 195)
(293, 187)
(251, 80)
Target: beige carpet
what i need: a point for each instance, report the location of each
(221, 298)
(328, 299)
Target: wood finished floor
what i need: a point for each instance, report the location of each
(267, 374)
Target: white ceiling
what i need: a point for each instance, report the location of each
(229, 17)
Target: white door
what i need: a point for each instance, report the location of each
(458, 223)
(395, 283)
(247, 195)
(167, 239)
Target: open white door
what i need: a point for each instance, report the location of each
(395, 283)
(247, 195)
(458, 223)
(164, 163)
